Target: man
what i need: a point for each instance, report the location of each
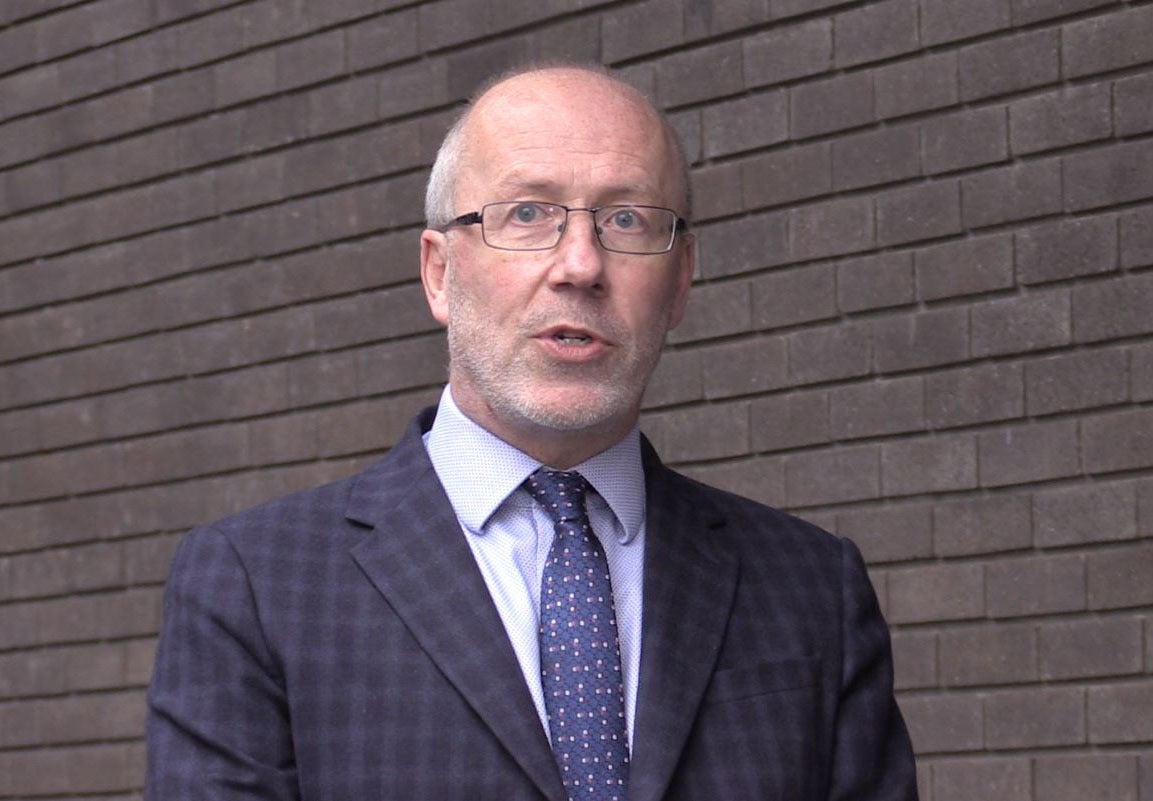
(520, 601)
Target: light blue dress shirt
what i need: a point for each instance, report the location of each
(510, 535)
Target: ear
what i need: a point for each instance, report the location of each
(433, 273)
(685, 266)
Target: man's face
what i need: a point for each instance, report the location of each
(562, 339)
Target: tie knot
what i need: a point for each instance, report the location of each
(562, 494)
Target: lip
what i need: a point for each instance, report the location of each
(592, 350)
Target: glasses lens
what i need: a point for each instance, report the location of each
(636, 229)
(522, 225)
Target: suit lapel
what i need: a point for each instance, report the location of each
(690, 582)
(418, 559)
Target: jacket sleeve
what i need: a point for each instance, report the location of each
(218, 726)
(873, 757)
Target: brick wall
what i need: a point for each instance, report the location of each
(923, 319)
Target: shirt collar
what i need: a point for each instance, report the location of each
(479, 470)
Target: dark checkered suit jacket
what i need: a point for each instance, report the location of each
(340, 645)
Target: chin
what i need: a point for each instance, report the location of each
(571, 409)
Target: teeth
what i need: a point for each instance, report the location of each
(571, 339)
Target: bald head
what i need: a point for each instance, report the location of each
(540, 106)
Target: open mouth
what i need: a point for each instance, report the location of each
(571, 338)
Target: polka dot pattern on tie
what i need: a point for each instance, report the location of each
(579, 651)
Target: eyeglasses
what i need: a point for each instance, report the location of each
(534, 225)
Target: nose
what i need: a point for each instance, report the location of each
(580, 258)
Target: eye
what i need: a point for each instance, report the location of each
(527, 213)
(624, 219)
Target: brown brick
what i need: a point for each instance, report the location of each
(1098, 512)
(1119, 577)
(738, 368)
(87, 617)
(1066, 117)
(921, 340)
(1035, 717)
(982, 525)
(1113, 308)
(924, 211)
(1026, 11)
(832, 104)
(1021, 323)
(1118, 441)
(72, 719)
(1033, 585)
(678, 378)
(761, 479)
(717, 16)
(685, 435)
(943, 723)
(1137, 238)
(875, 32)
(906, 87)
(1078, 380)
(700, 74)
(100, 768)
(967, 266)
(830, 352)
(780, 422)
(1072, 777)
(1009, 64)
(889, 533)
(988, 654)
(966, 138)
(742, 245)
(382, 39)
(942, 21)
(832, 476)
(1016, 192)
(643, 28)
(1067, 249)
(788, 52)
(831, 228)
(716, 191)
(1133, 105)
(785, 298)
(875, 281)
(1029, 453)
(936, 592)
(789, 8)
(1108, 42)
(715, 310)
(1141, 372)
(1120, 713)
(783, 176)
(967, 395)
(1108, 175)
(1090, 648)
(746, 123)
(62, 670)
(878, 407)
(933, 464)
(914, 660)
(876, 157)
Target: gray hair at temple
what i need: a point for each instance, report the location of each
(439, 195)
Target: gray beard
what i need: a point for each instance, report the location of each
(505, 381)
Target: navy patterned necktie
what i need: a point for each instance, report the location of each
(579, 653)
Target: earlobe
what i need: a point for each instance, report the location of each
(686, 265)
(433, 273)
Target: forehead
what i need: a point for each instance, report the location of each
(571, 135)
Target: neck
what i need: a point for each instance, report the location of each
(553, 447)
